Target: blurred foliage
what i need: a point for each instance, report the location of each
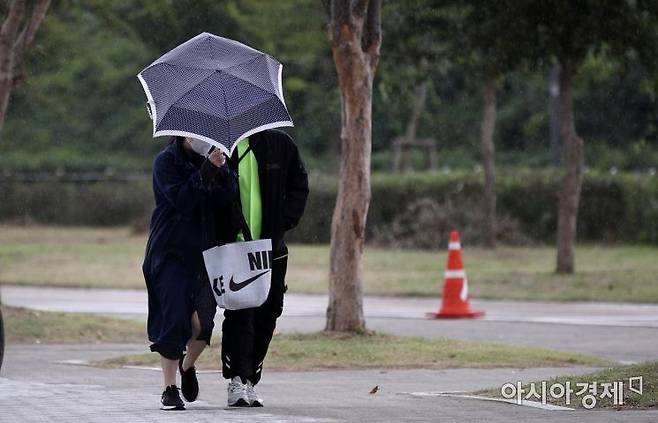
(80, 106)
(617, 206)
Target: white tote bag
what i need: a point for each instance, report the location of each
(240, 273)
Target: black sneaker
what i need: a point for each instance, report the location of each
(189, 385)
(171, 400)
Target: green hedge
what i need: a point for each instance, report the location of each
(614, 208)
(75, 203)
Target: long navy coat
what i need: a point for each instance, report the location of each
(184, 223)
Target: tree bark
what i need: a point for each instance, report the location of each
(13, 45)
(487, 151)
(8, 35)
(355, 39)
(573, 158)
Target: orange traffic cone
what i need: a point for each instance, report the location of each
(455, 289)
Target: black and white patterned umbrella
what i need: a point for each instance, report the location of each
(216, 90)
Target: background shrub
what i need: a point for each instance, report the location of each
(415, 210)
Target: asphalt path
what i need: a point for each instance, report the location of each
(54, 383)
(622, 332)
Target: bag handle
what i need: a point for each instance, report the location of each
(246, 232)
(247, 151)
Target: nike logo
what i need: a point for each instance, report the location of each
(239, 285)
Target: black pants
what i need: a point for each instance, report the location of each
(246, 334)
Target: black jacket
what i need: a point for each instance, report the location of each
(283, 187)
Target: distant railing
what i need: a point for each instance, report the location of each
(74, 177)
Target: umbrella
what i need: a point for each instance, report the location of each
(216, 90)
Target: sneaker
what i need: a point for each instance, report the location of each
(171, 400)
(252, 395)
(189, 385)
(237, 393)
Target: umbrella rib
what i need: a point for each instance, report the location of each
(223, 91)
(184, 94)
(248, 82)
(252, 84)
(178, 65)
(218, 71)
(228, 121)
(244, 63)
(223, 94)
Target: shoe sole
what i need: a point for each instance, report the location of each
(188, 399)
(171, 407)
(239, 403)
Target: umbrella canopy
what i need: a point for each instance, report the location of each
(216, 90)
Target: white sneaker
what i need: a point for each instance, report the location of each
(237, 393)
(252, 395)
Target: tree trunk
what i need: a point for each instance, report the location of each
(345, 310)
(573, 158)
(2, 340)
(8, 36)
(355, 48)
(6, 81)
(420, 98)
(554, 111)
(487, 150)
(13, 44)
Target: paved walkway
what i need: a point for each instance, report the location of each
(126, 301)
(618, 331)
(36, 387)
(38, 383)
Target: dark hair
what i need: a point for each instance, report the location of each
(176, 139)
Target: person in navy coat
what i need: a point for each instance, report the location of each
(190, 191)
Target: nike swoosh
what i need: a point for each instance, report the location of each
(238, 286)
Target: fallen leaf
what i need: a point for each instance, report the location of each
(374, 390)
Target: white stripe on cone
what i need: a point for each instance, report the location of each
(454, 245)
(455, 274)
(463, 295)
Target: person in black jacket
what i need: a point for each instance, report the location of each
(246, 334)
(190, 192)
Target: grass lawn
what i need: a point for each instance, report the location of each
(649, 398)
(322, 351)
(111, 258)
(295, 351)
(30, 326)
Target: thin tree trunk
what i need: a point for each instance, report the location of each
(13, 44)
(412, 126)
(573, 158)
(487, 150)
(417, 111)
(2, 340)
(6, 83)
(355, 47)
(8, 36)
(554, 111)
